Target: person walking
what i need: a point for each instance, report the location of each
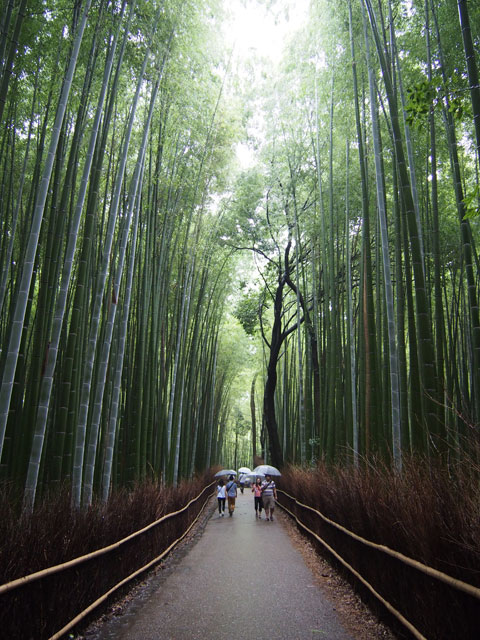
(269, 495)
(257, 491)
(231, 495)
(221, 497)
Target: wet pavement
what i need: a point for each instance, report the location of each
(242, 579)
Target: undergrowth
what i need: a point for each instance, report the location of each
(429, 512)
(55, 533)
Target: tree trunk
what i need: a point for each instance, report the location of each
(254, 418)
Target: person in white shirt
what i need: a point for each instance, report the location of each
(221, 496)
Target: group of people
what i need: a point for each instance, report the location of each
(265, 494)
(226, 492)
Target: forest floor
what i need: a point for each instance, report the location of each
(355, 617)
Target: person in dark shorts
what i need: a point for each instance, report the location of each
(221, 496)
(257, 491)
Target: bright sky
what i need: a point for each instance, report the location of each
(258, 32)
(255, 29)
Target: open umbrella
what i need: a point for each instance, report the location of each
(244, 470)
(265, 470)
(256, 473)
(225, 472)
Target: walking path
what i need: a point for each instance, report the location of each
(242, 579)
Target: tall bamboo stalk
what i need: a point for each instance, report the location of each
(472, 68)
(29, 260)
(382, 214)
(47, 379)
(81, 426)
(351, 395)
(426, 351)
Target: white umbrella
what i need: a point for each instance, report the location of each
(244, 470)
(225, 472)
(266, 470)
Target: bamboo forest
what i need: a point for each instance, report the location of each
(212, 251)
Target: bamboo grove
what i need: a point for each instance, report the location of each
(124, 223)
(113, 137)
(363, 219)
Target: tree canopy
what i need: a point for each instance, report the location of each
(151, 285)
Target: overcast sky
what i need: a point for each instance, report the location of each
(256, 30)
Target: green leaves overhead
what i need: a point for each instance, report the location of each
(365, 164)
(247, 312)
(472, 203)
(427, 94)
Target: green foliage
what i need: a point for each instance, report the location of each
(420, 100)
(472, 203)
(179, 275)
(242, 426)
(246, 312)
(199, 215)
(427, 94)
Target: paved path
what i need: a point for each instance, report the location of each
(242, 580)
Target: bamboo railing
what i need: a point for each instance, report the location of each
(79, 562)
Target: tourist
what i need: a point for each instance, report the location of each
(221, 496)
(257, 491)
(231, 495)
(269, 495)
